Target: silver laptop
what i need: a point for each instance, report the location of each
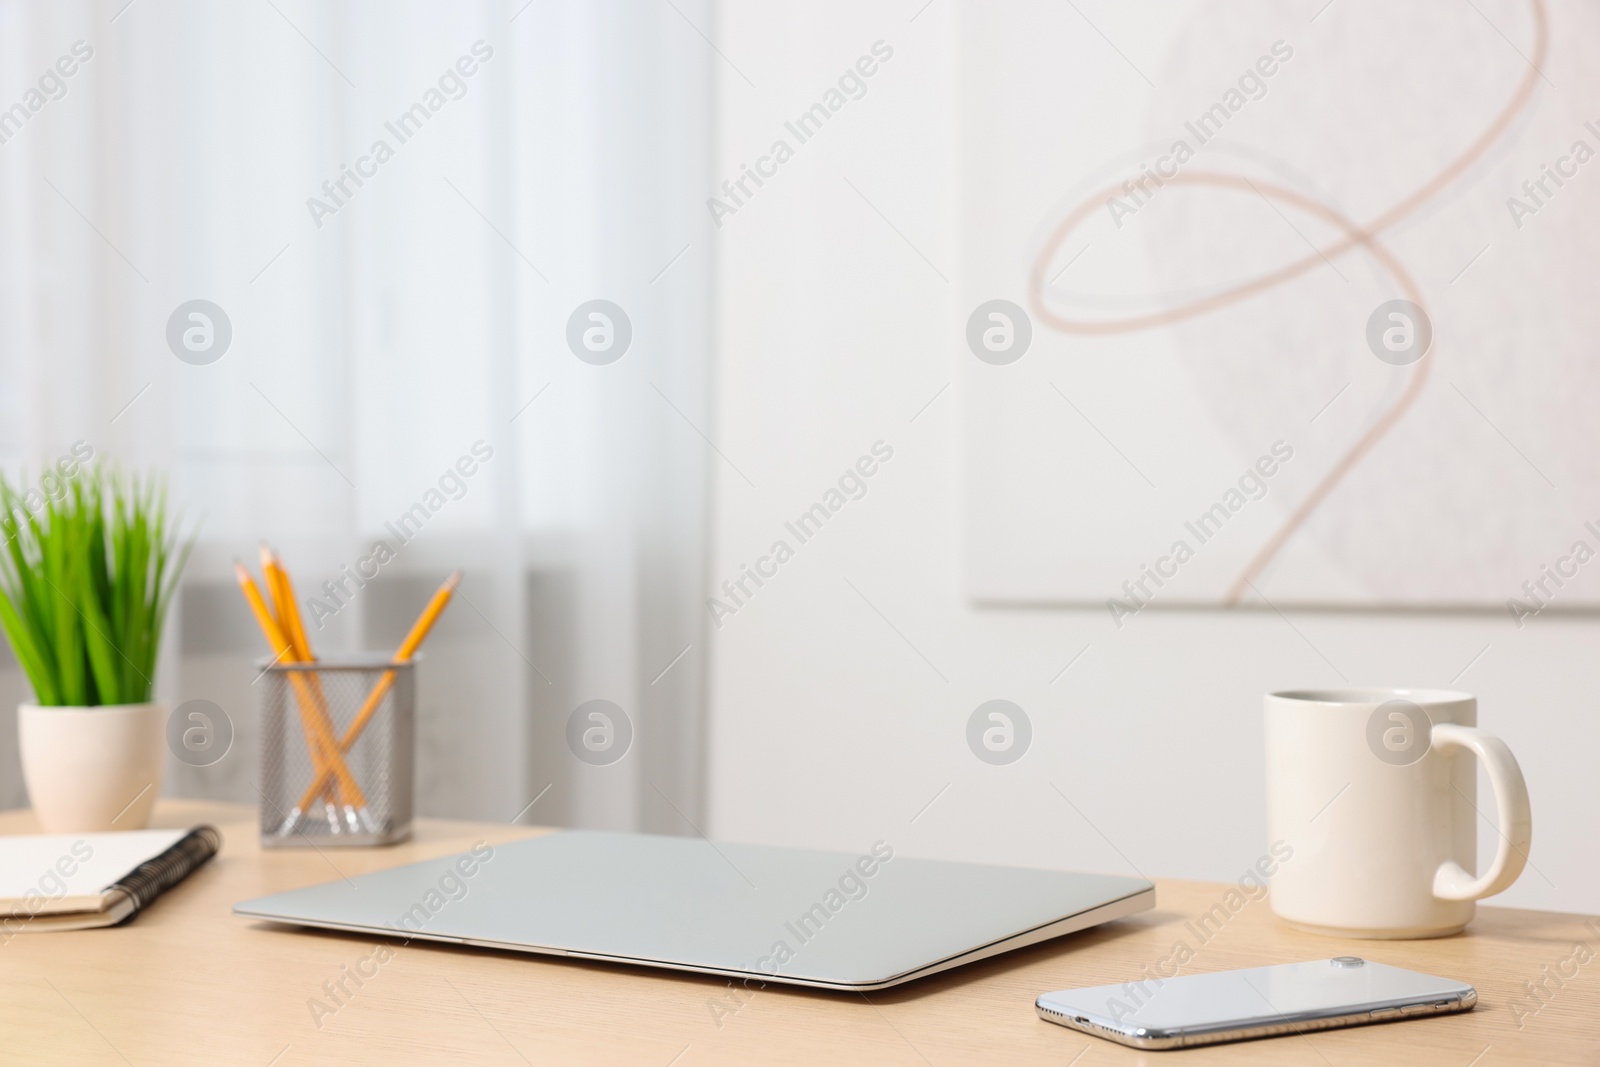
(830, 920)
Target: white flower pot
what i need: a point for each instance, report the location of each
(92, 768)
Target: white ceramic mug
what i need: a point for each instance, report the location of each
(1375, 791)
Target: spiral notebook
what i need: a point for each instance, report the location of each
(79, 881)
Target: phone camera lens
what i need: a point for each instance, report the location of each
(1347, 961)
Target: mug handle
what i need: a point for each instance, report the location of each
(1452, 881)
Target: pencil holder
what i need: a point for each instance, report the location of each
(336, 751)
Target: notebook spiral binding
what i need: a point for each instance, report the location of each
(154, 877)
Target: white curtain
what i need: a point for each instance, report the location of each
(395, 311)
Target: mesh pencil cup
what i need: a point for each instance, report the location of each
(361, 707)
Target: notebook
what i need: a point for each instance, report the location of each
(78, 881)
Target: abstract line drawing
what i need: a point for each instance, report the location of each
(1362, 236)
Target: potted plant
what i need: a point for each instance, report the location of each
(87, 572)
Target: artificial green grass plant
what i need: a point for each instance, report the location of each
(86, 576)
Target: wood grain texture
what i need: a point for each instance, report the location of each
(187, 982)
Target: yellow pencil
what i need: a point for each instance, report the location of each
(281, 595)
(408, 648)
(281, 588)
(319, 738)
(288, 611)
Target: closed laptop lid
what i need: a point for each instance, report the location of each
(831, 919)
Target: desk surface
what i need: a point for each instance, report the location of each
(187, 982)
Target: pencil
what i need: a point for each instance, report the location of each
(408, 648)
(288, 609)
(325, 756)
(281, 588)
(281, 595)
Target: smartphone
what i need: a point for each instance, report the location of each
(1205, 1009)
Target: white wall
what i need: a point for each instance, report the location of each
(841, 689)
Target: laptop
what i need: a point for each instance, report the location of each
(826, 920)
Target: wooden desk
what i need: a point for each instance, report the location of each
(189, 983)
